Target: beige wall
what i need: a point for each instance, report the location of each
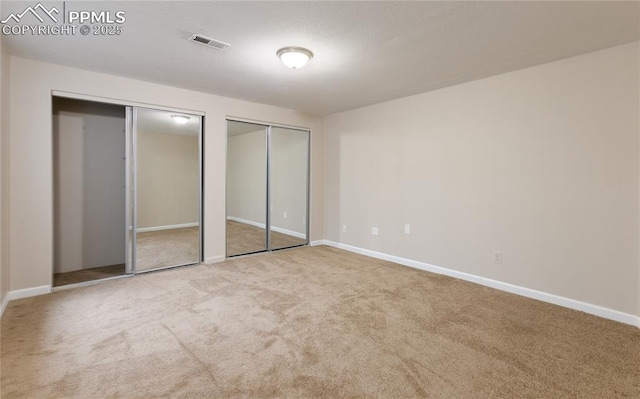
(4, 173)
(89, 175)
(31, 257)
(247, 176)
(168, 179)
(541, 164)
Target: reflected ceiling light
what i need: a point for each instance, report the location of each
(180, 119)
(294, 57)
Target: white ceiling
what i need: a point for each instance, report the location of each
(365, 52)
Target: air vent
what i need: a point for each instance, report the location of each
(207, 41)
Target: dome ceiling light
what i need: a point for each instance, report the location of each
(180, 119)
(294, 57)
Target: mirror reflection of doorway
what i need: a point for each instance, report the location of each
(267, 187)
(127, 190)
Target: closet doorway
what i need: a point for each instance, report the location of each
(127, 190)
(89, 175)
(267, 187)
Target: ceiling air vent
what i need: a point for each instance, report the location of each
(207, 41)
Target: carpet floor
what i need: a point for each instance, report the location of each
(84, 275)
(312, 322)
(243, 239)
(155, 249)
(164, 248)
(158, 249)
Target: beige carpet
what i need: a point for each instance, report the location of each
(313, 322)
(171, 247)
(243, 238)
(155, 249)
(82, 276)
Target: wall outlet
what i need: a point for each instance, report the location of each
(497, 257)
(284, 214)
(344, 228)
(304, 221)
(407, 229)
(374, 231)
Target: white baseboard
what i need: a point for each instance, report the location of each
(3, 305)
(214, 259)
(288, 232)
(29, 292)
(168, 227)
(596, 310)
(262, 226)
(318, 242)
(246, 221)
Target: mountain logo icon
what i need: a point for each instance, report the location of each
(35, 11)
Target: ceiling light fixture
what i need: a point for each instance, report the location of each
(294, 57)
(180, 119)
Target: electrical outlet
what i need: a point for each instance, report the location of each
(284, 214)
(407, 229)
(344, 228)
(497, 257)
(374, 231)
(304, 221)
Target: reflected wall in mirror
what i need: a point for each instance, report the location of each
(246, 188)
(288, 184)
(267, 187)
(168, 189)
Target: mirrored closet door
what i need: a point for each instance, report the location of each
(127, 190)
(288, 187)
(166, 182)
(267, 187)
(246, 188)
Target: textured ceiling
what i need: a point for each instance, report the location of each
(365, 52)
